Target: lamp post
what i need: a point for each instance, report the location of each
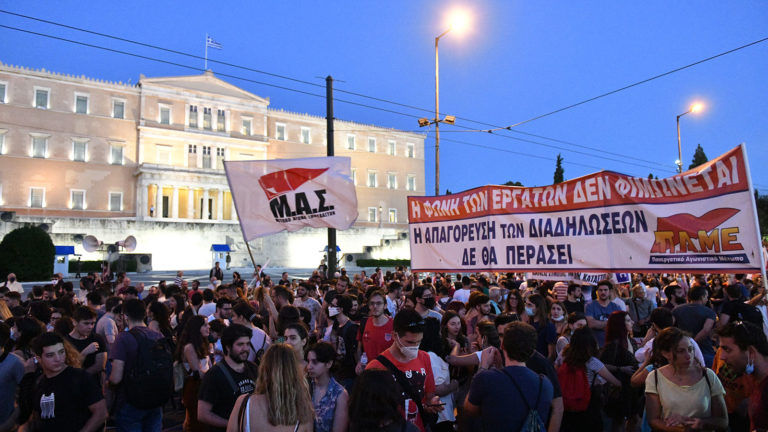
(693, 109)
(458, 22)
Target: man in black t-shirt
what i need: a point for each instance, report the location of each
(574, 302)
(92, 348)
(227, 380)
(736, 308)
(66, 398)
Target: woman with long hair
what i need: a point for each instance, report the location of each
(193, 352)
(160, 320)
(514, 303)
(296, 334)
(329, 399)
(575, 321)
(538, 317)
(618, 357)
(580, 354)
(281, 401)
(375, 404)
(683, 394)
(557, 314)
(453, 329)
(25, 329)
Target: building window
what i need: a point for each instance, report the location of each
(372, 145)
(305, 134)
(37, 197)
(81, 104)
(116, 154)
(392, 215)
(192, 155)
(411, 183)
(41, 98)
(78, 150)
(77, 199)
(391, 150)
(3, 86)
(350, 142)
(409, 150)
(371, 214)
(246, 130)
(280, 131)
(207, 118)
(165, 115)
(115, 201)
(391, 181)
(2, 142)
(354, 176)
(220, 121)
(118, 109)
(39, 146)
(206, 157)
(372, 179)
(193, 116)
(164, 154)
(219, 158)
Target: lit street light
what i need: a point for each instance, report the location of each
(458, 23)
(696, 107)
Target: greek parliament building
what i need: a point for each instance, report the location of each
(82, 156)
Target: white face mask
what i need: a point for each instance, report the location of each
(558, 319)
(410, 353)
(333, 311)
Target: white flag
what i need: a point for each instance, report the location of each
(289, 194)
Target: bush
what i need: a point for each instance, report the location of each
(383, 262)
(28, 252)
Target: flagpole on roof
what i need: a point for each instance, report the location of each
(206, 51)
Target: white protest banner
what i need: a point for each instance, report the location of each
(552, 276)
(702, 220)
(289, 194)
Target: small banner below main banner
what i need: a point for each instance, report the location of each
(290, 194)
(703, 220)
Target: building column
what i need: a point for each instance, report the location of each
(142, 212)
(234, 210)
(190, 203)
(175, 203)
(159, 201)
(204, 214)
(220, 205)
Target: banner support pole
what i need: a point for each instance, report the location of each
(754, 211)
(331, 253)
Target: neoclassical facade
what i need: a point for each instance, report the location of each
(79, 153)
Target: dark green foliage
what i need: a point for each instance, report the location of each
(511, 183)
(559, 171)
(699, 158)
(383, 262)
(28, 252)
(761, 201)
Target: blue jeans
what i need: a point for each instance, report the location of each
(131, 419)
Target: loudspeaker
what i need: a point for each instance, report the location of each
(7, 216)
(129, 244)
(91, 243)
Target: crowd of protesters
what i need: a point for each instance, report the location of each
(386, 351)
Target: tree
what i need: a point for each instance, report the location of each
(559, 171)
(28, 252)
(511, 183)
(761, 202)
(699, 157)
(448, 192)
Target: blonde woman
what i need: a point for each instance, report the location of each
(281, 401)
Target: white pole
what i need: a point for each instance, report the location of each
(206, 51)
(754, 211)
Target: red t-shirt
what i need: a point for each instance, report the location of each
(419, 374)
(376, 339)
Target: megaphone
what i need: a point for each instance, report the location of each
(129, 244)
(91, 243)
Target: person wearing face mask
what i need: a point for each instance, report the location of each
(343, 336)
(424, 298)
(411, 369)
(575, 321)
(741, 364)
(557, 313)
(13, 284)
(536, 310)
(11, 373)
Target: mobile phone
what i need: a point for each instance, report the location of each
(436, 405)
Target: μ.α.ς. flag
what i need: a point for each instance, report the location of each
(289, 194)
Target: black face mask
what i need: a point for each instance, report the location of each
(679, 300)
(12, 279)
(429, 303)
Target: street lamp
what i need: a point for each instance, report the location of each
(696, 107)
(458, 22)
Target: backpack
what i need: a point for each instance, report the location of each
(533, 421)
(575, 387)
(149, 383)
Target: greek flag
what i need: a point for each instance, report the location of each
(212, 43)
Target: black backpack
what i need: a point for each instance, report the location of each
(149, 383)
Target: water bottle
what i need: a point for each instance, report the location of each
(364, 359)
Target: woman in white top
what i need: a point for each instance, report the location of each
(575, 321)
(683, 395)
(193, 352)
(281, 401)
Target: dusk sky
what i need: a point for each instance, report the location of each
(519, 60)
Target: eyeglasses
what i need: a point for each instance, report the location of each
(416, 324)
